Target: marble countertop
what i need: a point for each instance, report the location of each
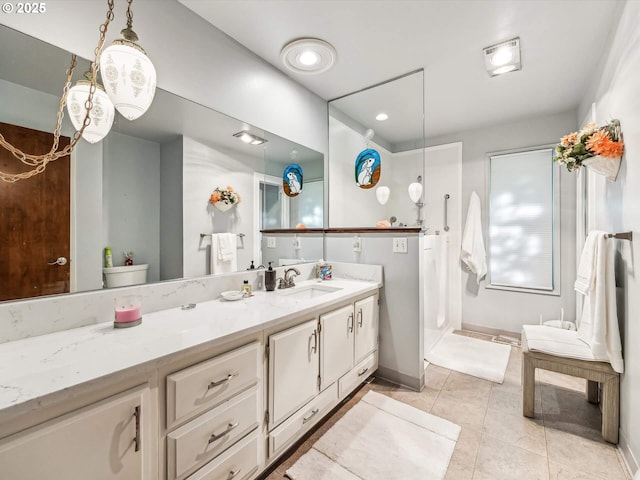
(43, 365)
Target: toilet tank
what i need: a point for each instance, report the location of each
(124, 276)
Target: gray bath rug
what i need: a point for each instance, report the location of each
(380, 439)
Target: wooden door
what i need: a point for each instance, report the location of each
(34, 219)
(366, 327)
(102, 441)
(336, 344)
(293, 369)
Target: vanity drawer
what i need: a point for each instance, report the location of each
(211, 382)
(308, 415)
(357, 374)
(211, 433)
(237, 463)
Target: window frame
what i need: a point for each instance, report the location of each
(556, 235)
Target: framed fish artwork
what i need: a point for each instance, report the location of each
(292, 180)
(367, 168)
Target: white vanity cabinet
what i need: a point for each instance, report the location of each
(314, 364)
(221, 401)
(347, 337)
(109, 439)
(293, 369)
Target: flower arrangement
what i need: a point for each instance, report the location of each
(224, 199)
(590, 141)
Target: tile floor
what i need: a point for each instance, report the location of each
(562, 442)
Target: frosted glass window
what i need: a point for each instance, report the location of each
(522, 216)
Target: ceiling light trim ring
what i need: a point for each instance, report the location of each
(291, 54)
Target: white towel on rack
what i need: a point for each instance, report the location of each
(472, 252)
(599, 323)
(224, 256)
(587, 267)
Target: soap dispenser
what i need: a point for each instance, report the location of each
(270, 279)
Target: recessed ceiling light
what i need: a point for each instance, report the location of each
(249, 138)
(308, 56)
(381, 117)
(503, 57)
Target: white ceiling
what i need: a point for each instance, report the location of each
(561, 41)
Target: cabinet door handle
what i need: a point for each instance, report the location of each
(350, 323)
(216, 383)
(315, 341)
(138, 438)
(363, 371)
(360, 319)
(218, 436)
(233, 473)
(310, 416)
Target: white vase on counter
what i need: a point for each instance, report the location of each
(608, 167)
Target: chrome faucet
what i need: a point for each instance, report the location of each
(288, 282)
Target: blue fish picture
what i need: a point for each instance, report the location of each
(368, 168)
(292, 180)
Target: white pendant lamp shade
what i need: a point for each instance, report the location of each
(415, 192)
(129, 77)
(382, 195)
(101, 113)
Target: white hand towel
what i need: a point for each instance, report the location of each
(599, 324)
(472, 252)
(218, 265)
(227, 246)
(587, 268)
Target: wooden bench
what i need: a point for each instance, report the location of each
(593, 372)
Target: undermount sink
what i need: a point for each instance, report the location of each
(307, 292)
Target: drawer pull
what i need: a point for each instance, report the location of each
(220, 382)
(363, 371)
(310, 416)
(233, 473)
(360, 320)
(350, 323)
(314, 349)
(138, 438)
(230, 427)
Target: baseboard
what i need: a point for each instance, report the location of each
(392, 376)
(627, 454)
(489, 331)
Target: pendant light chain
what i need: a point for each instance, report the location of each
(40, 161)
(129, 15)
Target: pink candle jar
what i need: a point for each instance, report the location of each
(127, 311)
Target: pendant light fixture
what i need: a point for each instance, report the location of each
(101, 114)
(415, 191)
(382, 194)
(129, 76)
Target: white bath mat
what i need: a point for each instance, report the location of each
(472, 356)
(380, 439)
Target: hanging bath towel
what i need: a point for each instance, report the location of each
(472, 252)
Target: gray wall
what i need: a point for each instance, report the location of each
(171, 210)
(401, 356)
(131, 190)
(507, 310)
(616, 93)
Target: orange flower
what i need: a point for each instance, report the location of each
(229, 188)
(569, 140)
(600, 144)
(215, 197)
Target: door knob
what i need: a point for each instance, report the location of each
(59, 261)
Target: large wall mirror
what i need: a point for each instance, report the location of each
(387, 119)
(146, 188)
